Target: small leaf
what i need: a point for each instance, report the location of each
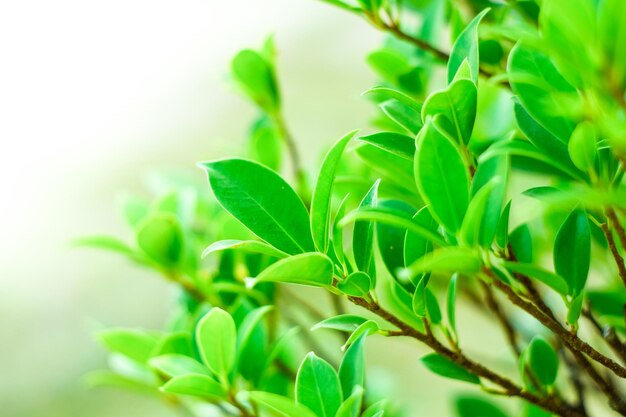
(357, 284)
(575, 309)
(582, 146)
(338, 231)
(543, 361)
(522, 244)
(256, 78)
(391, 239)
(415, 245)
(263, 202)
(419, 298)
(395, 143)
(279, 405)
(466, 47)
(161, 239)
(477, 407)
(502, 229)
(195, 385)
(247, 327)
(321, 202)
(314, 269)
(452, 259)
(352, 406)
(343, 322)
(404, 116)
(174, 365)
(135, 344)
(367, 328)
(216, 338)
(363, 235)
(451, 304)
(352, 368)
(441, 176)
(444, 367)
(553, 281)
(252, 246)
(572, 251)
(318, 387)
(432, 305)
(458, 105)
(473, 231)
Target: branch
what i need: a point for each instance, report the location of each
(551, 404)
(614, 221)
(495, 307)
(607, 333)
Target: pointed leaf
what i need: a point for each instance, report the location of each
(314, 269)
(216, 338)
(466, 47)
(572, 251)
(318, 387)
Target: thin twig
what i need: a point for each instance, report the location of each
(607, 333)
(619, 261)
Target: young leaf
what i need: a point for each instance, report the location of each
(466, 47)
(458, 105)
(451, 259)
(582, 146)
(575, 309)
(216, 338)
(338, 231)
(391, 239)
(363, 235)
(318, 387)
(322, 195)
(134, 344)
(553, 281)
(478, 217)
(477, 407)
(174, 365)
(343, 322)
(279, 405)
(441, 176)
(432, 306)
(543, 361)
(352, 406)
(395, 143)
(502, 229)
(247, 327)
(352, 368)
(251, 246)
(314, 269)
(419, 298)
(448, 369)
(404, 116)
(572, 251)
(521, 242)
(415, 245)
(161, 239)
(195, 385)
(451, 304)
(357, 284)
(263, 202)
(256, 78)
(367, 328)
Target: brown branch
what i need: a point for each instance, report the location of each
(550, 403)
(619, 261)
(607, 333)
(575, 345)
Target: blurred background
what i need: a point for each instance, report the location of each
(93, 97)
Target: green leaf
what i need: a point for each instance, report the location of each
(314, 269)
(107, 378)
(352, 368)
(367, 328)
(357, 284)
(391, 239)
(352, 406)
(338, 231)
(444, 367)
(522, 244)
(279, 405)
(318, 387)
(251, 246)
(477, 407)
(416, 245)
(542, 90)
(419, 298)
(582, 146)
(322, 195)
(611, 35)
(451, 304)
(266, 145)
(466, 47)
(441, 176)
(390, 93)
(256, 78)
(174, 365)
(432, 305)
(393, 218)
(109, 243)
(543, 361)
(216, 338)
(395, 143)
(575, 309)
(458, 105)
(451, 259)
(363, 235)
(479, 217)
(502, 229)
(263, 202)
(342, 322)
(553, 281)
(247, 327)
(160, 237)
(195, 385)
(572, 251)
(403, 115)
(135, 344)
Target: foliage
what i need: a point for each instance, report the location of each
(411, 224)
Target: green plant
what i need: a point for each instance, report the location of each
(429, 215)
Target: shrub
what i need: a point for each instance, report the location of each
(492, 181)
